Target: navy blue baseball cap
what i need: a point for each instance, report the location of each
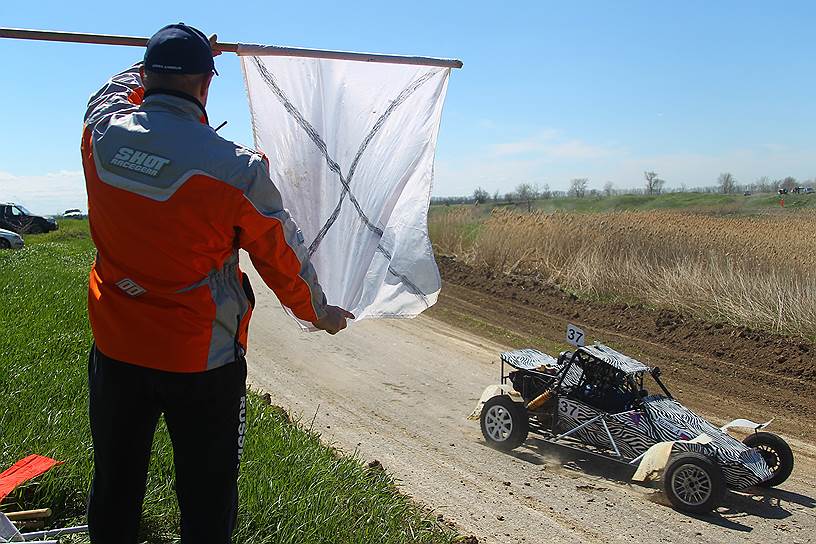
(179, 49)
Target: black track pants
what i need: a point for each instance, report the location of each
(205, 415)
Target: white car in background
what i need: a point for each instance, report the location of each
(10, 240)
(73, 213)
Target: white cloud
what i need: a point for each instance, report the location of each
(546, 157)
(462, 176)
(49, 193)
(550, 144)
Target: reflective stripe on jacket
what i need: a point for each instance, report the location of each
(170, 203)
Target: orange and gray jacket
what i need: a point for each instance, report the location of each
(170, 203)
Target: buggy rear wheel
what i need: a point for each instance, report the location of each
(504, 423)
(693, 483)
(5, 244)
(776, 453)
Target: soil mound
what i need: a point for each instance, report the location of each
(792, 357)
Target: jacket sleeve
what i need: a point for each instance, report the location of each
(275, 245)
(122, 91)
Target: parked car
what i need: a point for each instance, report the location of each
(746, 193)
(596, 399)
(809, 190)
(17, 218)
(10, 240)
(73, 213)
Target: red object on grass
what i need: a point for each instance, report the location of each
(24, 470)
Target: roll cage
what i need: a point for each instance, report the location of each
(599, 371)
(606, 382)
(597, 376)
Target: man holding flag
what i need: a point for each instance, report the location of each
(170, 204)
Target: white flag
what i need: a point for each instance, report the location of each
(351, 148)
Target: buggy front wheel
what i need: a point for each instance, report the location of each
(504, 423)
(776, 453)
(693, 483)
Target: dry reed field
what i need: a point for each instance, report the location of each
(753, 271)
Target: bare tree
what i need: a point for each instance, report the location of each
(608, 188)
(496, 196)
(726, 182)
(578, 187)
(764, 184)
(545, 192)
(788, 183)
(654, 185)
(526, 193)
(480, 196)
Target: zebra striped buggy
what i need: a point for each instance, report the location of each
(596, 398)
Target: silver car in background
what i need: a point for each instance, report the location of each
(10, 240)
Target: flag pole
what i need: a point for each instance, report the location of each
(229, 47)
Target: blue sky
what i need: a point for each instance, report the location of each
(549, 91)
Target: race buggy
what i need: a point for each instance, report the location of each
(596, 399)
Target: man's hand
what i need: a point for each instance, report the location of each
(213, 43)
(334, 321)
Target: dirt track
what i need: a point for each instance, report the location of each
(399, 392)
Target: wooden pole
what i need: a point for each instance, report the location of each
(228, 47)
(40, 513)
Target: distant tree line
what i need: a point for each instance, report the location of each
(527, 193)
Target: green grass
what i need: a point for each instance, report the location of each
(701, 202)
(293, 488)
